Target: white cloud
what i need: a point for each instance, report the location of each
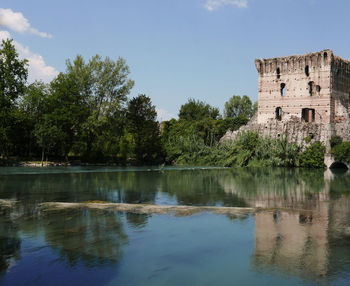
(163, 115)
(18, 23)
(4, 35)
(38, 70)
(211, 5)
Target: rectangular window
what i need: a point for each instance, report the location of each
(308, 114)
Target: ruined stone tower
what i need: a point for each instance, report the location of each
(314, 88)
(302, 96)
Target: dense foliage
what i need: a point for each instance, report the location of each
(335, 140)
(239, 106)
(197, 131)
(313, 156)
(341, 152)
(83, 113)
(248, 150)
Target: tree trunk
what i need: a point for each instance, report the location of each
(42, 157)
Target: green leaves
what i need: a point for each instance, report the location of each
(239, 106)
(13, 77)
(142, 125)
(313, 156)
(197, 110)
(13, 74)
(341, 152)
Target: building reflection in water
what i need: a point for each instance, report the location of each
(306, 226)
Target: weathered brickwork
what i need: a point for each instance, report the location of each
(293, 84)
(302, 96)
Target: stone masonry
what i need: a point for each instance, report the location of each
(302, 96)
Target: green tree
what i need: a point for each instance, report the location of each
(63, 113)
(104, 85)
(142, 124)
(335, 140)
(32, 107)
(13, 77)
(341, 152)
(313, 156)
(239, 106)
(197, 110)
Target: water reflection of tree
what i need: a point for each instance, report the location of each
(87, 236)
(275, 186)
(137, 187)
(340, 185)
(71, 187)
(137, 220)
(10, 243)
(199, 187)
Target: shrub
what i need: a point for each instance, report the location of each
(313, 156)
(335, 140)
(307, 139)
(341, 152)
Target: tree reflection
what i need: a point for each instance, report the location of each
(10, 242)
(279, 187)
(88, 236)
(137, 220)
(199, 187)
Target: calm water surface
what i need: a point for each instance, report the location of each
(300, 235)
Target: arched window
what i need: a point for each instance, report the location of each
(283, 89)
(278, 72)
(318, 89)
(311, 85)
(307, 71)
(278, 112)
(325, 56)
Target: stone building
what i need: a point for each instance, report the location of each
(314, 88)
(302, 96)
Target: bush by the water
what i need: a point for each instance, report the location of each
(248, 150)
(313, 156)
(341, 152)
(335, 140)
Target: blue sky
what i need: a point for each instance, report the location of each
(177, 49)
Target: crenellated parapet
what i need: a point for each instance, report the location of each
(294, 64)
(340, 65)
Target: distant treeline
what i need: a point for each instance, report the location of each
(84, 114)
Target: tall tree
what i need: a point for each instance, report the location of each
(239, 106)
(32, 107)
(64, 112)
(197, 110)
(13, 78)
(142, 124)
(104, 84)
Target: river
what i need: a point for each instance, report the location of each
(299, 233)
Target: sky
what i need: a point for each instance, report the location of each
(176, 49)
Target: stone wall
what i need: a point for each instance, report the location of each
(294, 129)
(340, 89)
(294, 83)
